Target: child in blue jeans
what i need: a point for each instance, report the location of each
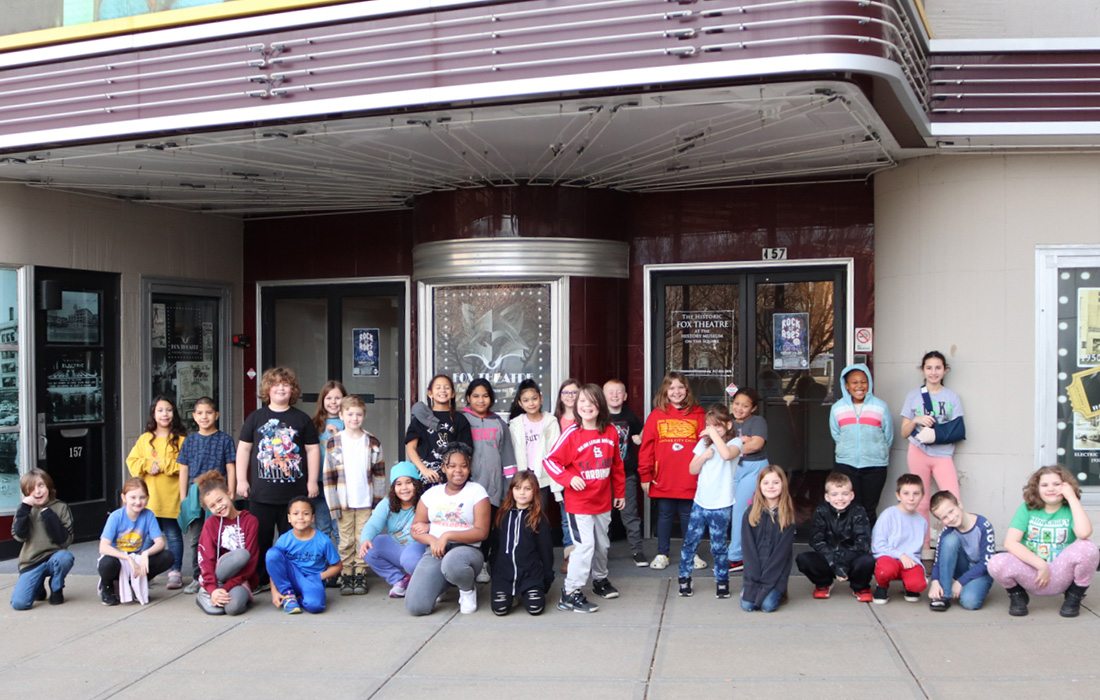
(45, 527)
(301, 561)
(716, 456)
(964, 549)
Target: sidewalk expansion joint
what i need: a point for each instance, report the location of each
(413, 655)
(657, 638)
(901, 656)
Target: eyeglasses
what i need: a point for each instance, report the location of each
(570, 393)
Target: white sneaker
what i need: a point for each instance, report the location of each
(699, 563)
(483, 575)
(659, 562)
(467, 601)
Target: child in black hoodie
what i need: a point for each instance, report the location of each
(523, 561)
(841, 542)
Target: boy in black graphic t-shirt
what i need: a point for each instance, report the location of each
(278, 457)
(629, 427)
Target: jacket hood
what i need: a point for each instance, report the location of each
(852, 368)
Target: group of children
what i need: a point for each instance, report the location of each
(471, 503)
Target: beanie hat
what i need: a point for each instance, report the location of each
(404, 469)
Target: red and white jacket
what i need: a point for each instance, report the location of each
(594, 456)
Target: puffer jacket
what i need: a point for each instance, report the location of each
(840, 535)
(863, 433)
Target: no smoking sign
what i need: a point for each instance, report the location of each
(864, 339)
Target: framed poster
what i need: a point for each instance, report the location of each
(185, 356)
(1078, 372)
(364, 352)
(501, 332)
(75, 387)
(791, 340)
(77, 321)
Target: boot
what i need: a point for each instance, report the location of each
(1017, 601)
(1071, 607)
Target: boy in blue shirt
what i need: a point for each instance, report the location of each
(964, 549)
(301, 561)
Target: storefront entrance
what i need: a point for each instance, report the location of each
(779, 330)
(76, 391)
(355, 333)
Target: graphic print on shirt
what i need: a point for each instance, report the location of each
(279, 458)
(444, 436)
(449, 515)
(942, 411)
(129, 542)
(232, 538)
(623, 429)
(676, 429)
(1047, 538)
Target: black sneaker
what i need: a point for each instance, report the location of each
(736, 565)
(722, 589)
(881, 596)
(639, 560)
(108, 596)
(685, 587)
(57, 597)
(911, 597)
(42, 593)
(262, 587)
(347, 584)
(939, 605)
(576, 602)
(1017, 601)
(603, 588)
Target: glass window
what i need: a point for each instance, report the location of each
(9, 390)
(186, 351)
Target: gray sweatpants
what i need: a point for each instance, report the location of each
(631, 515)
(590, 545)
(431, 576)
(239, 596)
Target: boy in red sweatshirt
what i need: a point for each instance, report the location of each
(586, 461)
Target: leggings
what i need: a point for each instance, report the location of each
(927, 468)
(718, 522)
(431, 576)
(228, 566)
(1074, 564)
(110, 568)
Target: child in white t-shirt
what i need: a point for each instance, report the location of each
(716, 456)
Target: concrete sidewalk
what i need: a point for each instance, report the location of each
(649, 643)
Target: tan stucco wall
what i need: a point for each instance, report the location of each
(955, 241)
(1000, 19)
(40, 227)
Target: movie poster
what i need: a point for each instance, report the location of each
(74, 385)
(364, 352)
(791, 339)
(497, 331)
(1079, 373)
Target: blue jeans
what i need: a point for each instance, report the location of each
(173, 537)
(30, 581)
(322, 519)
(718, 522)
(566, 537)
(668, 509)
(744, 486)
(770, 604)
(953, 563)
(393, 561)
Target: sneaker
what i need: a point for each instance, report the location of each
(175, 581)
(57, 597)
(639, 560)
(576, 602)
(347, 585)
(603, 588)
(398, 589)
(939, 605)
(882, 596)
(863, 595)
(685, 587)
(722, 589)
(483, 575)
(698, 563)
(261, 588)
(659, 562)
(737, 565)
(291, 606)
(911, 597)
(359, 584)
(192, 588)
(43, 592)
(108, 596)
(822, 592)
(334, 582)
(467, 601)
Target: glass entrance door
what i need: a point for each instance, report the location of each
(778, 331)
(76, 390)
(353, 333)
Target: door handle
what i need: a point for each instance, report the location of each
(42, 436)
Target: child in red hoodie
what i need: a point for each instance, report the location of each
(670, 433)
(586, 460)
(228, 551)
